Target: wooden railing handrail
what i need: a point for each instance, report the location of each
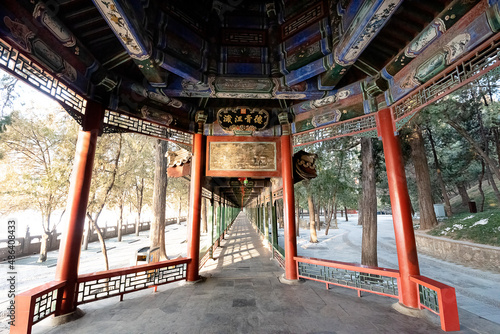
(350, 266)
(131, 269)
(42, 289)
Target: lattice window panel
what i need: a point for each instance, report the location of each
(482, 61)
(45, 305)
(352, 127)
(134, 124)
(15, 63)
(429, 298)
(350, 278)
(114, 286)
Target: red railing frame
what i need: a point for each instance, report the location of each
(349, 266)
(128, 270)
(448, 309)
(447, 301)
(25, 303)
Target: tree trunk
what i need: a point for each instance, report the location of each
(486, 147)
(204, 226)
(335, 217)
(347, 216)
(44, 246)
(101, 240)
(369, 208)
(426, 205)
(442, 186)
(44, 243)
(140, 199)
(493, 183)
(480, 187)
(159, 200)
(312, 226)
(462, 191)
(86, 237)
(496, 137)
(328, 218)
(179, 211)
(137, 224)
(120, 224)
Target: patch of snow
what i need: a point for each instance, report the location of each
(457, 226)
(481, 222)
(471, 216)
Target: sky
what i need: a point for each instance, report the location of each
(27, 94)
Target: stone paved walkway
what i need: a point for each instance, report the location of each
(241, 294)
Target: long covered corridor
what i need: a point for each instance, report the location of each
(241, 293)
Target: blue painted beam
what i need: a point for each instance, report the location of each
(369, 20)
(122, 17)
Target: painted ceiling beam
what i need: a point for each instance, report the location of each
(369, 20)
(243, 88)
(122, 17)
(178, 48)
(41, 36)
(429, 35)
(476, 26)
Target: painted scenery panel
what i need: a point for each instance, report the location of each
(231, 156)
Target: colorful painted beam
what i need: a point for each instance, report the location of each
(124, 20)
(429, 35)
(44, 39)
(479, 24)
(243, 88)
(369, 20)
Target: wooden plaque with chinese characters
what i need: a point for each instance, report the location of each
(243, 157)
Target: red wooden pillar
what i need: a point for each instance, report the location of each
(197, 173)
(288, 203)
(401, 209)
(69, 251)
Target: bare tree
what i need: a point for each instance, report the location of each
(38, 150)
(157, 232)
(369, 205)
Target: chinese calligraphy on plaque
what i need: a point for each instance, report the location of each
(242, 119)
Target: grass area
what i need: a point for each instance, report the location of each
(481, 227)
(490, 200)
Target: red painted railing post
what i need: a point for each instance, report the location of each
(401, 209)
(69, 254)
(288, 202)
(24, 315)
(197, 173)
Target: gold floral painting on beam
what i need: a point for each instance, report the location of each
(234, 156)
